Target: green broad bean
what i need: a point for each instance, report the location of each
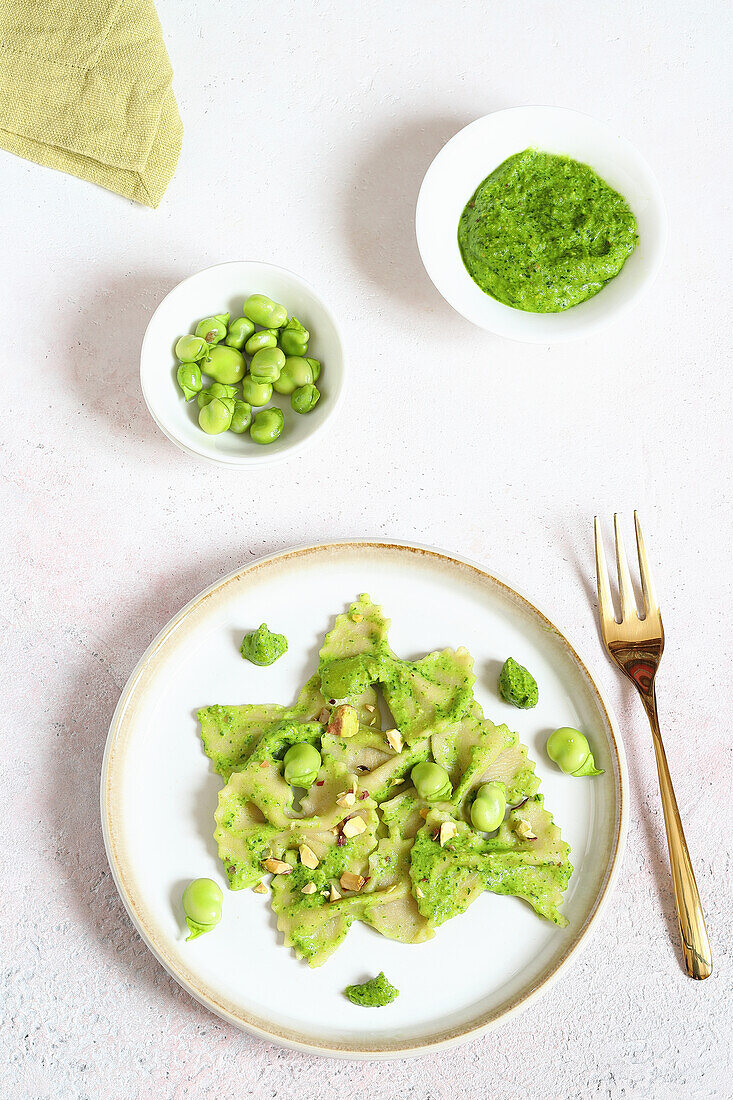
(301, 765)
(241, 417)
(304, 399)
(294, 338)
(569, 749)
(489, 807)
(431, 781)
(216, 416)
(213, 329)
(191, 349)
(216, 389)
(240, 330)
(296, 372)
(189, 379)
(202, 900)
(266, 365)
(263, 311)
(315, 366)
(265, 338)
(256, 393)
(225, 364)
(267, 426)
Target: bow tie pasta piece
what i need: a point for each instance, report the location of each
(230, 733)
(355, 652)
(467, 749)
(428, 695)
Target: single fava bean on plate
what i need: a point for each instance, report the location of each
(296, 372)
(263, 311)
(569, 749)
(240, 330)
(267, 426)
(489, 807)
(202, 900)
(213, 329)
(431, 781)
(301, 765)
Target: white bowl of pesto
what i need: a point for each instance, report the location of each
(218, 290)
(160, 793)
(471, 156)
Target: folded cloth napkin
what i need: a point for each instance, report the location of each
(85, 86)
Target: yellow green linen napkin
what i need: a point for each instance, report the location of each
(85, 86)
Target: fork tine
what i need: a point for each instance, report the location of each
(647, 584)
(625, 591)
(605, 603)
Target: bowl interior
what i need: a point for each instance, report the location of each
(216, 290)
(481, 147)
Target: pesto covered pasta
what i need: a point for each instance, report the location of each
(383, 829)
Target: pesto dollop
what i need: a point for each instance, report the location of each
(262, 647)
(375, 993)
(517, 686)
(544, 232)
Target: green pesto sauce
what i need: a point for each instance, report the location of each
(375, 993)
(543, 233)
(262, 647)
(517, 686)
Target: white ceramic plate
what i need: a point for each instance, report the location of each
(159, 794)
(474, 153)
(216, 290)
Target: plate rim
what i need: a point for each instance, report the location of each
(381, 1049)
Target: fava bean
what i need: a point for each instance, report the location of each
(301, 765)
(265, 338)
(304, 399)
(191, 349)
(267, 426)
(213, 329)
(189, 379)
(240, 330)
(256, 393)
(431, 781)
(202, 900)
(263, 311)
(569, 749)
(315, 366)
(296, 372)
(489, 807)
(266, 365)
(225, 364)
(216, 416)
(241, 417)
(294, 338)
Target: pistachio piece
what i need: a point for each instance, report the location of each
(353, 826)
(344, 721)
(350, 881)
(394, 740)
(277, 866)
(308, 857)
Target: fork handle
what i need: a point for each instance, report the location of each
(695, 943)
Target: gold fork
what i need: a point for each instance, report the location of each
(636, 646)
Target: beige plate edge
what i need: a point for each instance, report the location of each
(287, 1037)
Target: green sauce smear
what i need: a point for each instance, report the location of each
(375, 993)
(262, 647)
(544, 232)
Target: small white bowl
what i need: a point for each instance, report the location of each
(474, 153)
(216, 290)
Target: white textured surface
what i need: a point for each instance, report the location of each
(307, 130)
